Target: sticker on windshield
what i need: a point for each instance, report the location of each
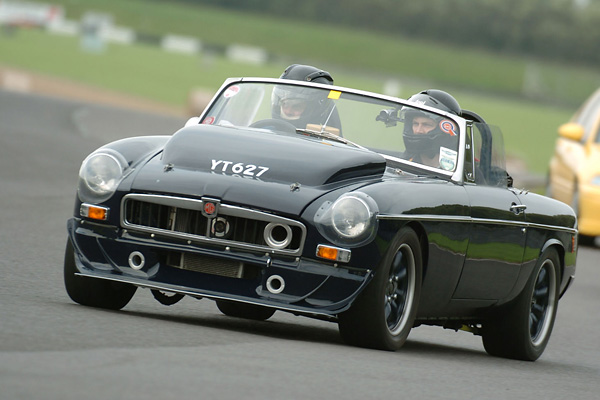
(209, 120)
(334, 94)
(448, 159)
(231, 91)
(448, 127)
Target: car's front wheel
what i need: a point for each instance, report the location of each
(383, 315)
(523, 329)
(94, 292)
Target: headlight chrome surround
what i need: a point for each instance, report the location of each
(100, 175)
(349, 221)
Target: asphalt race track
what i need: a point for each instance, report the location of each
(52, 348)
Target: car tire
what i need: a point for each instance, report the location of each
(243, 310)
(94, 292)
(522, 330)
(383, 315)
(166, 298)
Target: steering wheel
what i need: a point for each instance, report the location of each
(274, 125)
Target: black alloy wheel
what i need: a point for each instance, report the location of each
(521, 330)
(384, 313)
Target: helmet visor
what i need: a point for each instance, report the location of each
(422, 124)
(292, 109)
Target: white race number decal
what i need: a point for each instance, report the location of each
(238, 168)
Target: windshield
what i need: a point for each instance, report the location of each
(408, 133)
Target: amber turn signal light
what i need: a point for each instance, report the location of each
(333, 253)
(94, 212)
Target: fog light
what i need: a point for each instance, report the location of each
(136, 260)
(220, 227)
(278, 236)
(333, 253)
(275, 284)
(94, 212)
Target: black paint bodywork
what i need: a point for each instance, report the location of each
(478, 252)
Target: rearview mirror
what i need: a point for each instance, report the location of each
(571, 131)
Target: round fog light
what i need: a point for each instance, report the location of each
(220, 227)
(275, 284)
(278, 236)
(137, 260)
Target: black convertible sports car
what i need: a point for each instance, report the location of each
(314, 200)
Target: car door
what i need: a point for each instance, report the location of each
(497, 233)
(496, 242)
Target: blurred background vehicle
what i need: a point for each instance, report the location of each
(574, 172)
(14, 14)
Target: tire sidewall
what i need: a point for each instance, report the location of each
(534, 347)
(93, 292)
(508, 334)
(406, 237)
(365, 323)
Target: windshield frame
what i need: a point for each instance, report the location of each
(393, 161)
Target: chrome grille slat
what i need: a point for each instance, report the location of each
(181, 217)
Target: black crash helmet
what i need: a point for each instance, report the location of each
(299, 72)
(305, 105)
(443, 135)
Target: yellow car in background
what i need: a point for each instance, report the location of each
(574, 173)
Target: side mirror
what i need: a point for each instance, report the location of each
(571, 131)
(192, 121)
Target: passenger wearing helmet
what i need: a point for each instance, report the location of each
(429, 138)
(302, 106)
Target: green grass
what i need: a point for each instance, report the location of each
(141, 70)
(529, 126)
(357, 50)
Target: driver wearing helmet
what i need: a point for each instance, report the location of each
(301, 106)
(431, 139)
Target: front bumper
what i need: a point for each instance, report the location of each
(286, 283)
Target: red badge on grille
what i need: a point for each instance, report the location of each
(210, 208)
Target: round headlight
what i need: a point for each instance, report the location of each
(350, 216)
(350, 221)
(101, 173)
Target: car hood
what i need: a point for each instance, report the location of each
(257, 169)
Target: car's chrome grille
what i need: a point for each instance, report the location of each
(164, 217)
(183, 218)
